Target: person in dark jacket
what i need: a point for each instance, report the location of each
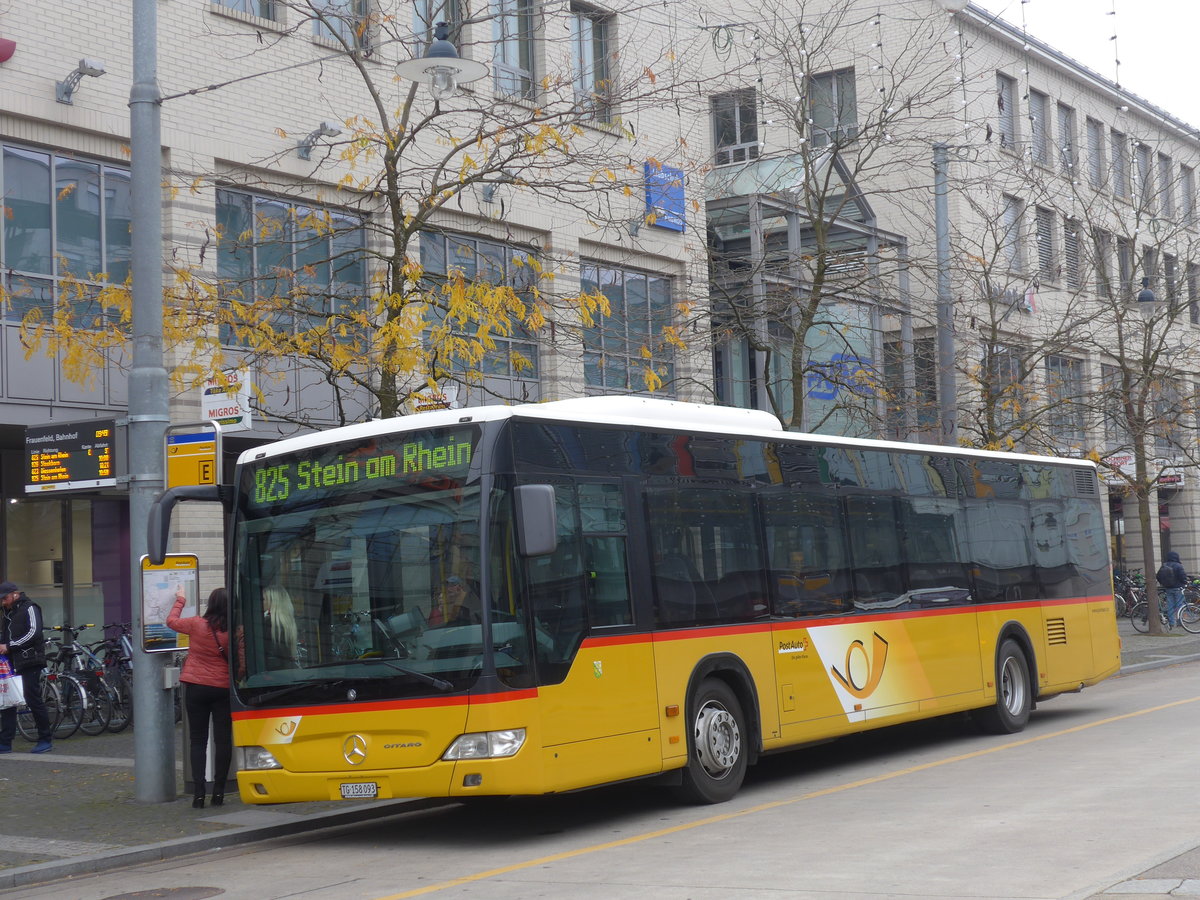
(206, 690)
(1174, 591)
(21, 640)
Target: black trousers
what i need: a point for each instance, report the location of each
(31, 684)
(205, 702)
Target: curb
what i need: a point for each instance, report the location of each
(76, 866)
(1157, 664)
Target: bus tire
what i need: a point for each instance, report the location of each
(1014, 693)
(716, 744)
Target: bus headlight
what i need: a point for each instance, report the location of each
(486, 744)
(256, 758)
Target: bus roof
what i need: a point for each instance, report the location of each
(618, 410)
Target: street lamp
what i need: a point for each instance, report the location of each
(1146, 299)
(441, 67)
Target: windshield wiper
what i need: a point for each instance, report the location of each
(440, 683)
(267, 696)
(432, 680)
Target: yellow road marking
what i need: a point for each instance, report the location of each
(774, 804)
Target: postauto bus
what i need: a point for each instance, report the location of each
(641, 588)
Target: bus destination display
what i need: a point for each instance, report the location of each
(70, 456)
(385, 459)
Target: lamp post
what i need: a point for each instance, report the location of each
(947, 380)
(154, 736)
(1141, 465)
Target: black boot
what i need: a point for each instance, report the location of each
(218, 799)
(198, 796)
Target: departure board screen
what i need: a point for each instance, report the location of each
(70, 456)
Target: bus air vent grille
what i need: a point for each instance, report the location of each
(1056, 631)
(1085, 483)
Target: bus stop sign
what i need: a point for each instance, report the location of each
(192, 454)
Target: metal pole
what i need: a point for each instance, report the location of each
(154, 725)
(947, 382)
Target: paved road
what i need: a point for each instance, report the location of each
(87, 821)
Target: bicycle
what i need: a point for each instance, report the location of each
(114, 654)
(50, 697)
(87, 698)
(1128, 591)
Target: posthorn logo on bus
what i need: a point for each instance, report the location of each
(856, 682)
(354, 749)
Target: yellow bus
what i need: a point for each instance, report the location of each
(541, 598)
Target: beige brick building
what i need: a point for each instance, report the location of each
(795, 143)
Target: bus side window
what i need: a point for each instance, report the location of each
(602, 517)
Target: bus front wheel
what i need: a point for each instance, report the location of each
(716, 744)
(1014, 693)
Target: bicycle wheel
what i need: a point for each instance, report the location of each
(73, 701)
(1189, 617)
(25, 724)
(122, 689)
(1140, 617)
(98, 712)
(1119, 605)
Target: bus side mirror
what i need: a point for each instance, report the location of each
(158, 526)
(537, 523)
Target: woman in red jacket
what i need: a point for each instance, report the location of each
(206, 674)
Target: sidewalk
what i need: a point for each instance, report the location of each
(73, 811)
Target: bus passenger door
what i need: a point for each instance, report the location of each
(596, 674)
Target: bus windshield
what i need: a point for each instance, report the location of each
(359, 588)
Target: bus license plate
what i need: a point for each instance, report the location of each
(355, 790)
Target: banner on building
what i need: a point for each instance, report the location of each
(225, 399)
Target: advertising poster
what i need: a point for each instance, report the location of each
(178, 575)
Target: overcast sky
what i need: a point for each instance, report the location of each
(1156, 43)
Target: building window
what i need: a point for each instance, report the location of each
(922, 403)
(833, 108)
(1010, 234)
(341, 21)
(1116, 426)
(513, 60)
(1125, 267)
(1003, 389)
(1039, 127)
(629, 349)
(1071, 257)
(1006, 111)
(1045, 245)
(1169, 416)
(65, 220)
(1120, 163)
(1064, 393)
(302, 265)
(1102, 246)
(264, 9)
(512, 361)
(1166, 187)
(1145, 176)
(735, 126)
(1095, 149)
(1066, 139)
(1171, 279)
(1187, 195)
(1193, 293)
(590, 35)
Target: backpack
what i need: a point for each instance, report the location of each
(1165, 576)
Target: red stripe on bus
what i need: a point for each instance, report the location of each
(383, 705)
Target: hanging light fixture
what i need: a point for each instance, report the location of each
(441, 67)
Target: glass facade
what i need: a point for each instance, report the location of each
(66, 220)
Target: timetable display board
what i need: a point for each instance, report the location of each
(70, 456)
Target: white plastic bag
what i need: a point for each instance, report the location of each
(11, 687)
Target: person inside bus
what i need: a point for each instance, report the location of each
(458, 605)
(279, 616)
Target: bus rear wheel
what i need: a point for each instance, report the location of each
(716, 744)
(1014, 693)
